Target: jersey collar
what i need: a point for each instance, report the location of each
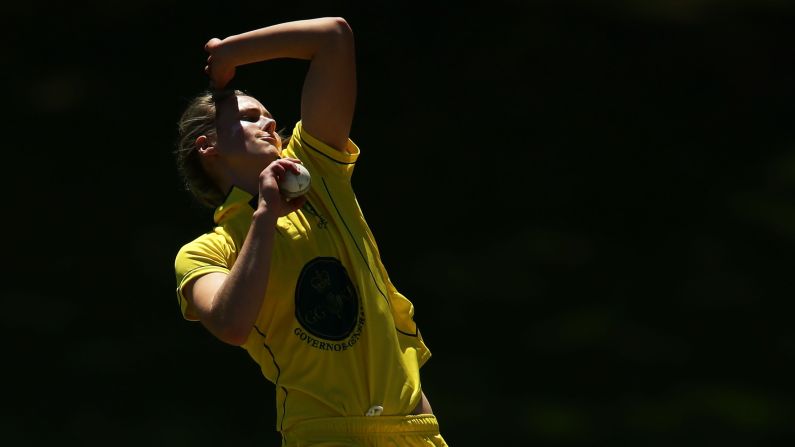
(237, 201)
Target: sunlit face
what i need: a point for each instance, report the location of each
(247, 134)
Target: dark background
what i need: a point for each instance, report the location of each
(589, 203)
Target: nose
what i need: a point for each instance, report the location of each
(267, 124)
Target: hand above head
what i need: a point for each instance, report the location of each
(329, 92)
(219, 68)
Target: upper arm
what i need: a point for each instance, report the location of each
(200, 293)
(329, 90)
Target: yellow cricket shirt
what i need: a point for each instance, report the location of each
(333, 334)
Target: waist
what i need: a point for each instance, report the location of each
(365, 425)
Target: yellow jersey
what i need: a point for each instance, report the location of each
(333, 333)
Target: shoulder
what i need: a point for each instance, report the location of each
(302, 140)
(212, 248)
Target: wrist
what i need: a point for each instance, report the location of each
(263, 215)
(224, 51)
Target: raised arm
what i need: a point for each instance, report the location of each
(329, 90)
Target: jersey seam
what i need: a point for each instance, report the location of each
(350, 233)
(325, 154)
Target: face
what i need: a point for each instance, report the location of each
(246, 135)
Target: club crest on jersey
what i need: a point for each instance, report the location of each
(321, 221)
(327, 306)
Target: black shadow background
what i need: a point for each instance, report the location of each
(601, 253)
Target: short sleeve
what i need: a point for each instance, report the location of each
(207, 253)
(319, 158)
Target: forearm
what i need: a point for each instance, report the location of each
(297, 40)
(237, 303)
(329, 91)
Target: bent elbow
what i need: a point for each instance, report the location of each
(237, 336)
(341, 27)
(231, 334)
(236, 339)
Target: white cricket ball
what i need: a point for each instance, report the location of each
(294, 185)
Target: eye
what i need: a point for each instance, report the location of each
(249, 118)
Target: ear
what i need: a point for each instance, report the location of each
(204, 145)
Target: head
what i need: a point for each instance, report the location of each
(225, 139)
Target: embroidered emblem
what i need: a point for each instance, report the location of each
(326, 302)
(308, 208)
